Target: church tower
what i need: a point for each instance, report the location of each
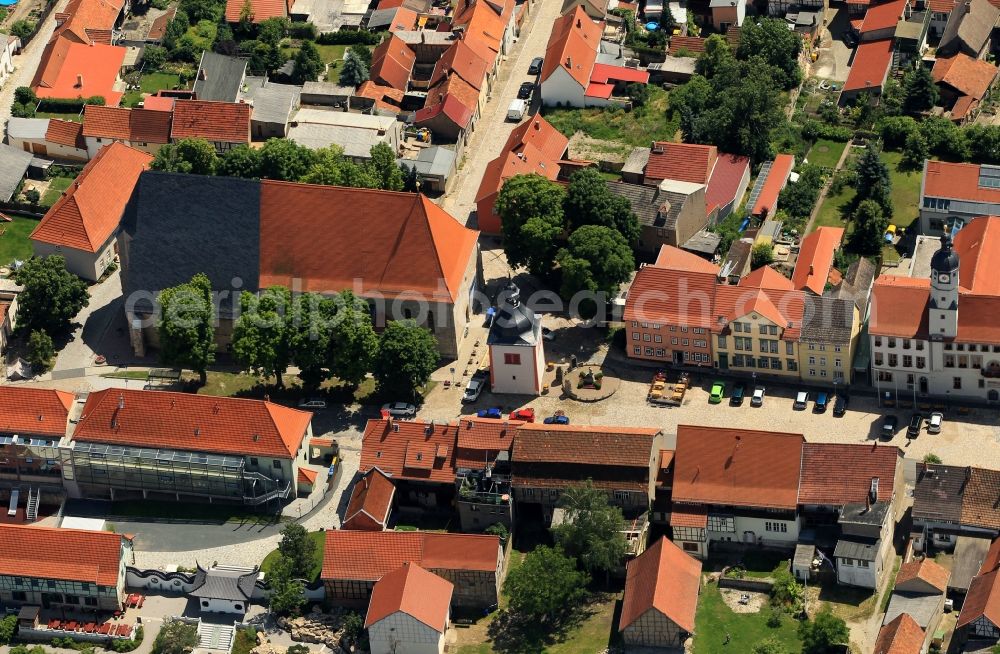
(943, 317)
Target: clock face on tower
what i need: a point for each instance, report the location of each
(944, 278)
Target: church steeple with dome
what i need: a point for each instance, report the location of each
(943, 307)
(517, 356)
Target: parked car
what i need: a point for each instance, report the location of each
(850, 41)
(400, 409)
(473, 390)
(312, 403)
(561, 419)
(840, 406)
(801, 400)
(718, 390)
(736, 397)
(819, 406)
(516, 110)
(493, 413)
(525, 90)
(916, 422)
(536, 66)
(526, 414)
(935, 422)
(758, 397)
(889, 425)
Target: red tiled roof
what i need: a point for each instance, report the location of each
(158, 103)
(60, 554)
(981, 497)
(307, 476)
(737, 467)
(883, 15)
(693, 44)
(371, 501)
(584, 445)
(672, 297)
(479, 441)
(925, 570)
(685, 162)
(453, 86)
(900, 636)
(599, 90)
(381, 95)
(573, 45)
(777, 177)
(968, 76)
(134, 125)
(406, 242)
(812, 268)
(88, 21)
(411, 590)
(159, 27)
(963, 105)
(541, 134)
(260, 10)
(689, 515)
(74, 70)
(983, 599)
(407, 449)
(992, 560)
(90, 210)
(65, 132)
(663, 578)
(942, 6)
(871, 65)
(786, 309)
(899, 306)
(957, 181)
(228, 122)
(835, 474)
(604, 73)
(485, 25)
(34, 411)
(977, 245)
(196, 423)
(460, 59)
(678, 259)
(454, 109)
(767, 278)
(369, 555)
(392, 63)
(726, 184)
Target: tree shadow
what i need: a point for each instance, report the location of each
(513, 633)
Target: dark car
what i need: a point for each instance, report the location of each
(889, 424)
(916, 422)
(840, 406)
(557, 420)
(495, 413)
(536, 66)
(819, 406)
(736, 398)
(525, 90)
(850, 40)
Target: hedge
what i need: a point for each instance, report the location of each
(813, 129)
(67, 105)
(362, 37)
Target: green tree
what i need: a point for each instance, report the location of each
(689, 100)
(187, 325)
(353, 72)
(32, 195)
(915, 152)
(770, 39)
(984, 143)
(199, 10)
(869, 228)
(175, 637)
(383, 167)
(786, 592)
(261, 333)
(300, 550)
(285, 160)
(823, 633)
(354, 346)
(873, 181)
(608, 255)
(761, 255)
(25, 95)
(531, 214)
(176, 28)
(407, 355)
(930, 457)
(192, 156)
(894, 130)
(920, 93)
(272, 30)
(23, 29)
(638, 93)
(41, 350)
(309, 65)
(546, 586)
(312, 317)
(590, 202)
(363, 53)
(51, 295)
(8, 627)
(592, 529)
(154, 56)
(945, 139)
(287, 592)
(241, 161)
(799, 198)
(716, 56)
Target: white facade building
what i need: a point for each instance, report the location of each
(409, 612)
(517, 353)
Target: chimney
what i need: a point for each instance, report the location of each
(811, 270)
(579, 23)
(121, 401)
(79, 80)
(197, 431)
(569, 62)
(538, 126)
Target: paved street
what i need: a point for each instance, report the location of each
(493, 129)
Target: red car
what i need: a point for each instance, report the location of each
(525, 415)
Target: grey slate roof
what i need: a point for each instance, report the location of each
(922, 608)
(937, 494)
(176, 226)
(653, 207)
(863, 549)
(969, 25)
(13, 165)
(273, 103)
(233, 584)
(27, 128)
(858, 513)
(970, 551)
(636, 161)
(857, 283)
(827, 320)
(704, 242)
(436, 161)
(804, 556)
(219, 77)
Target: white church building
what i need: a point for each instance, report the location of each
(517, 356)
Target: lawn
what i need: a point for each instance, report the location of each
(185, 512)
(635, 128)
(14, 243)
(140, 375)
(905, 190)
(826, 153)
(56, 186)
(151, 83)
(76, 117)
(831, 211)
(229, 384)
(715, 621)
(330, 54)
(317, 537)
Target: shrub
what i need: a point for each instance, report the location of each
(500, 530)
(930, 457)
(813, 130)
(128, 645)
(40, 349)
(23, 29)
(344, 37)
(786, 592)
(154, 56)
(302, 31)
(32, 196)
(25, 95)
(8, 627)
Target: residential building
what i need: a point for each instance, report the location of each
(408, 258)
(952, 501)
(450, 110)
(259, 10)
(814, 265)
(771, 181)
(534, 146)
(622, 461)
(901, 635)
(370, 503)
(517, 349)
(354, 560)
(882, 18)
(91, 21)
(724, 176)
(219, 78)
(919, 593)
(83, 223)
(828, 340)
(979, 622)
(869, 70)
(33, 422)
(224, 589)
(385, 99)
(462, 60)
(409, 612)
(69, 70)
(165, 445)
(61, 140)
(964, 82)
(595, 9)
(669, 214)
(735, 486)
(952, 194)
(392, 63)
(489, 27)
(141, 129)
(355, 134)
(686, 46)
(9, 45)
(661, 597)
(969, 29)
(727, 13)
(273, 107)
(68, 569)
(757, 329)
(223, 124)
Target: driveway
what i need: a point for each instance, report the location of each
(834, 55)
(493, 129)
(91, 327)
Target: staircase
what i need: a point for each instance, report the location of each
(215, 636)
(34, 496)
(260, 482)
(896, 56)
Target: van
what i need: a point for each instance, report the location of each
(517, 109)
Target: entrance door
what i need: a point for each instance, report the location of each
(723, 362)
(678, 357)
(749, 538)
(923, 385)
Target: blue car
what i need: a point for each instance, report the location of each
(495, 413)
(557, 420)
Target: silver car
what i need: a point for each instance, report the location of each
(934, 423)
(400, 409)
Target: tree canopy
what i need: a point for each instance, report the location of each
(870, 225)
(546, 586)
(353, 71)
(51, 297)
(823, 632)
(187, 325)
(308, 65)
(592, 529)
(407, 355)
(299, 549)
(531, 212)
(920, 93)
(872, 180)
(175, 637)
(778, 46)
(192, 156)
(589, 202)
(608, 257)
(261, 333)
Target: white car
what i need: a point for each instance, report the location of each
(473, 391)
(934, 423)
(400, 409)
(758, 397)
